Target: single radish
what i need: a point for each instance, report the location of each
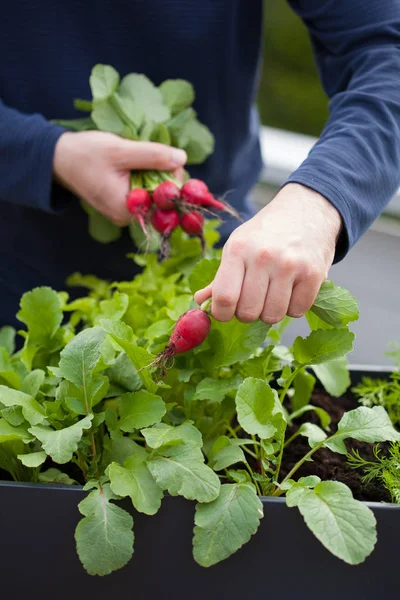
(196, 192)
(165, 221)
(138, 202)
(165, 195)
(191, 329)
(192, 223)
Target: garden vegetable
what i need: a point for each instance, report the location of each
(192, 223)
(164, 222)
(138, 202)
(165, 195)
(196, 192)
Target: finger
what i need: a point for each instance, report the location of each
(202, 295)
(150, 155)
(252, 295)
(303, 296)
(226, 288)
(179, 174)
(277, 300)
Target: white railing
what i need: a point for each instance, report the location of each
(283, 151)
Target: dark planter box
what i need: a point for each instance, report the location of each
(283, 560)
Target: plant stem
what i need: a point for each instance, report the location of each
(297, 466)
(292, 437)
(289, 382)
(231, 431)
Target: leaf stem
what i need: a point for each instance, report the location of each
(289, 382)
(299, 463)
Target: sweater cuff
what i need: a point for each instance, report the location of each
(50, 197)
(319, 184)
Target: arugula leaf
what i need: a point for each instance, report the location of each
(104, 81)
(346, 527)
(7, 339)
(197, 141)
(232, 342)
(41, 312)
(177, 94)
(9, 432)
(335, 305)
(33, 459)
(163, 435)
(334, 376)
(320, 412)
(62, 443)
(180, 470)
(314, 433)
(303, 387)
(134, 479)
(146, 96)
(124, 374)
(107, 119)
(363, 424)
(257, 404)
(33, 412)
(228, 456)
(32, 382)
(224, 525)
(322, 346)
(81, 355)
(140, 409)
(104, 537)
(216, 389)
(13, 415)
(53, 475)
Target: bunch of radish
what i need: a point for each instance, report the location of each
(167, 206)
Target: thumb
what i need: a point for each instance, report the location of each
(150, 155)
(203, 294)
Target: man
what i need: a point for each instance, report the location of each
(274, 263)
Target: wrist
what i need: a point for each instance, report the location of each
(317, 205)
(63, 158)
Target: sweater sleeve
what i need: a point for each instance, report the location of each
(27, 145)
(356, 162)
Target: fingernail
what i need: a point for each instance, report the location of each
(178, 157)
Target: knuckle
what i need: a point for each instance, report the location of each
(271, 320)
(289, 263)
(310, 271)
(224, 299)
(263, 258)
(246, 316)
(236, 247)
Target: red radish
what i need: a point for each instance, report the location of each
(191, 329)
(165, 195)
(196, 192)
(165, 221)
(138, 202)
(192, 223)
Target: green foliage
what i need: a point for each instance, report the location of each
(290, 95)
(381, 392)
(385, 469)
(83, 391)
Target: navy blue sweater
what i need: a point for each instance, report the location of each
(49, 48)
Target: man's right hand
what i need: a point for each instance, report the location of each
(96, 166)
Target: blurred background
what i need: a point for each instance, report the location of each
(293, 110)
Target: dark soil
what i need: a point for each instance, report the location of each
(327, 464)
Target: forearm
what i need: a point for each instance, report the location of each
(27, 145)
(356, 163)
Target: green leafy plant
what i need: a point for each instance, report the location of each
(79, 403)
(135, 109)
(381, 392)
(385, 468)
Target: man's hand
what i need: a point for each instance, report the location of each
(95, 166)
(274, 264)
